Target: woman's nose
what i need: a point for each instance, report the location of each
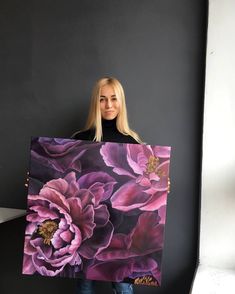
(108, 103)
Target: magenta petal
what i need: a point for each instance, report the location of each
(30, 229)
(143, 181)
(36, 243)
(35, 218)
(28, 248)
(59, 185)
(63, 225)
(86, 197)
(57, 241)
(60, 154)
(75, 207)
(73, 187)
(120, 241)
(102, 191)
(154, 177)
(97, 190)
(118, 248)
(58, 146)
(53, 196)
(60, 164)
(144, 264)
(162, 214)
(49, 162)
(57, 260)
(47, 251)
(76, 260)
(89, 179)
(44, 212)
(84, 220)
(162, 151)
(101, 215)
(118, 270)
(114, 271)
(147, 236)
(28, 267)
(77, 239)
(157, 200)
(44, 268)
(65, 163)
(114, 155)
(108, 190)
(137, 157)
(129, 196)
(100, 240)
(75, 162)
(163, 172)
(66, 236)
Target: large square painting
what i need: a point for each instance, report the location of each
(96, 210)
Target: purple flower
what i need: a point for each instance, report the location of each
(148, 169)
(59, 154)
(118, 270)
(129, 256)
(145, 238)
(67, 222)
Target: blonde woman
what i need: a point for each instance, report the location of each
(107, 121)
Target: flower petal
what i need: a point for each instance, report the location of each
(162, 151)
(157, 200)
(84, 219)
(147, 236)
(162, 214)
(118, 270)
(28, 267)
(114, 155)
(137, 157)
(117, 249)
(100, 240)
(129, 196)
(101, 216)
(52, 196)
(99, 183)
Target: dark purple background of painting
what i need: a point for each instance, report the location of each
(51, 56)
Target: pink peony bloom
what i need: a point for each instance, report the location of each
(64, 220)
(147, 168)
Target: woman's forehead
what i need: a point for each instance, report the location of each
(107, 90)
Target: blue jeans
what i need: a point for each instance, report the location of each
(86, 287)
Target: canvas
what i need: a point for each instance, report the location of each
(96, 210)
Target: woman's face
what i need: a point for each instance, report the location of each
(109, 104)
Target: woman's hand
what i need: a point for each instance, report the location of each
(168, 185)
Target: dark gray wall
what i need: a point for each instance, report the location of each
(51, 54)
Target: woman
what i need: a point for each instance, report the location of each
(107, 121)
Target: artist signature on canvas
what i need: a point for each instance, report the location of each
(146, 280)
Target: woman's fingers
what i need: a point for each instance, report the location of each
(26, 184)
(168, 185)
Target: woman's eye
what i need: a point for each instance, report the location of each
(101, 99)
(114, 99)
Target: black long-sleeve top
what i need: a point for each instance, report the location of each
(110, 133)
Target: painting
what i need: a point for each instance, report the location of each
(96, 210)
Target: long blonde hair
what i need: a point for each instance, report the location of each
(94, 119)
